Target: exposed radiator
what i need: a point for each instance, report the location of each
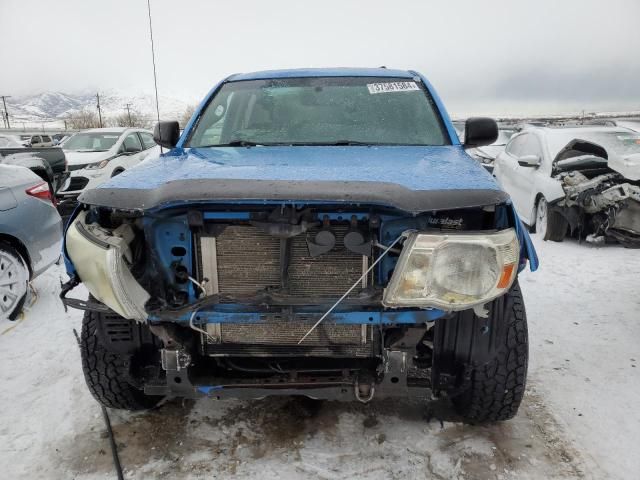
(328, 275)
(243, 260)
(279, 336)
(248, 260)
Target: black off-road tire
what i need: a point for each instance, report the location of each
(107, 373)
(497, 387)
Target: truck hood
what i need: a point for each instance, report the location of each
(409, 178)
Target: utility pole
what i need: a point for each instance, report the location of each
(6, 112)
(129, 112)
(99, 112)
(4, 120)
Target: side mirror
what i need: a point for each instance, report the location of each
(480, 131)
(529, 161)
(166, 134)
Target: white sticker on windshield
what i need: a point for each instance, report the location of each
(392, 87)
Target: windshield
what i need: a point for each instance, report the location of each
(91, 142)
(616, 143)
(504, 136)
(320, 111)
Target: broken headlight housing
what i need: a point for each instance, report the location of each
(453, 271)
(102, 258)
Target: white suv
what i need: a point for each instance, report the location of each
(96, 155)
(40, 141)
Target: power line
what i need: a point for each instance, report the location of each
(153, 58)
(6, 112)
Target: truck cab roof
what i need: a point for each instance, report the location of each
(322, 72)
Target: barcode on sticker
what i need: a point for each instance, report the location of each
(392, 87)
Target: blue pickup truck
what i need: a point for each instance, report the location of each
(316, 232)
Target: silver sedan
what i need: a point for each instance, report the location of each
(30, 235)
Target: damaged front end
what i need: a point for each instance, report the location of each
(324, 300)
(102, 258)
(600, 201)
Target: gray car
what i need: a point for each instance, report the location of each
(30, 235)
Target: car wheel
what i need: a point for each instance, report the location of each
(550, 225)
(14, 278)
(117, 172)
(497, 383)
(108, 373)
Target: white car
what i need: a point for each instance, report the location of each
(582, 179)
(96, 155)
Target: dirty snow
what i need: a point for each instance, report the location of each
(579, 418)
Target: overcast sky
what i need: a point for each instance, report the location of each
(490, 56)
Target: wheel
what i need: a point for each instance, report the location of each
(14, 278)
(109, 374)
(549, 224)
(117, 171)
(497, 383)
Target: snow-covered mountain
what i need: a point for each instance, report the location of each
(51, 106)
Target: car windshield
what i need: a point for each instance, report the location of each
(503, 137)
(91, 141)
(320, 111)
(618, 143)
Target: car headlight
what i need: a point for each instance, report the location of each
(95, 166)
(101, 258)
(453, 271)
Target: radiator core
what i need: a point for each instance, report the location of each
(243, 260)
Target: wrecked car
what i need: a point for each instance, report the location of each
(487, 154)
(314, 232)
(579, 180)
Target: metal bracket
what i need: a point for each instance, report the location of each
(214, 331)
(84, 305)
(174, 360)
(395, 371)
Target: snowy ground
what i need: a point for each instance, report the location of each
(580, 417)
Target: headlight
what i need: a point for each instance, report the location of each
(100, 257)
(95, 166)
(453, 271)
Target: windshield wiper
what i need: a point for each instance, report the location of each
(239, 143)
(348, 142)
(340, 143)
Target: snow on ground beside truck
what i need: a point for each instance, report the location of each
(578, 418)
